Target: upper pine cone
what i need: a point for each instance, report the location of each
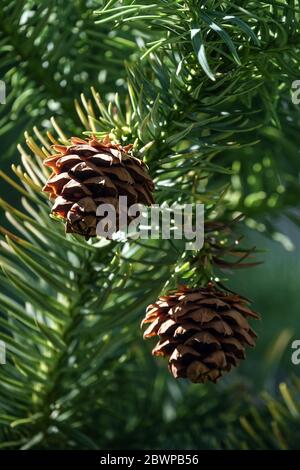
(92, 172)
(203, 332)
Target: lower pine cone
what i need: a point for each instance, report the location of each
(203, 332)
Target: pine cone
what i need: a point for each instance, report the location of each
(202, 332)
(89, 173)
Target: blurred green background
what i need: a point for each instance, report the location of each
(274, 289)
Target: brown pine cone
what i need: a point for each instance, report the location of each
(202, 332)
(92, 172)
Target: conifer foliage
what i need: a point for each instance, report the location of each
(175, 101)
